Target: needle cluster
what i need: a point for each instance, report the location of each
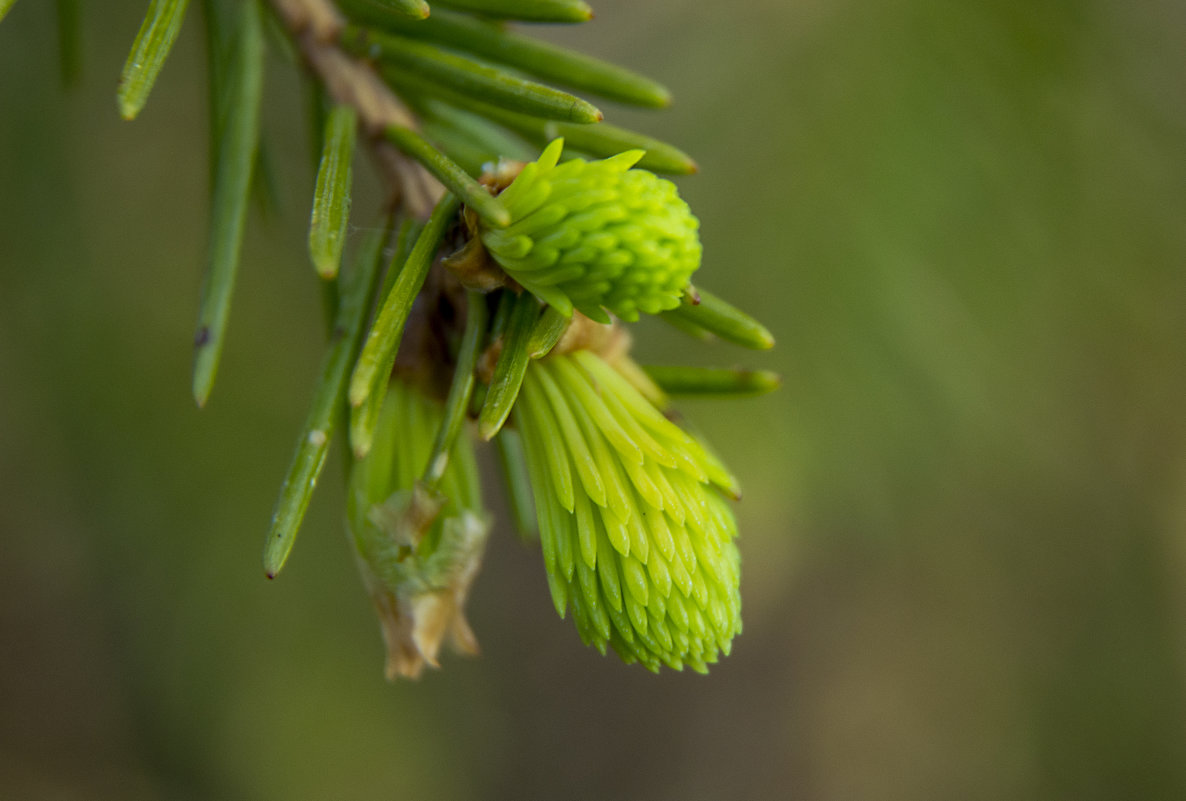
(486, 302)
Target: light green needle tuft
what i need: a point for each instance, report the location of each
(596, 236)
(642, 553)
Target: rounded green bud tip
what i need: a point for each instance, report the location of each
(589, 235)
(637, 536)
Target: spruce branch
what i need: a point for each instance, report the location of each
(500, 315)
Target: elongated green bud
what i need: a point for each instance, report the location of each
(419, 548)
(589, 235)
(636, 534)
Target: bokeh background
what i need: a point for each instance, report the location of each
(964, 533)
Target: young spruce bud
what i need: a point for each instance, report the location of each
(636, 532)
(419, 550)
(596, 234)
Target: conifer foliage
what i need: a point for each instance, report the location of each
(487, 301)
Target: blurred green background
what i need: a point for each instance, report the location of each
(964, 534)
